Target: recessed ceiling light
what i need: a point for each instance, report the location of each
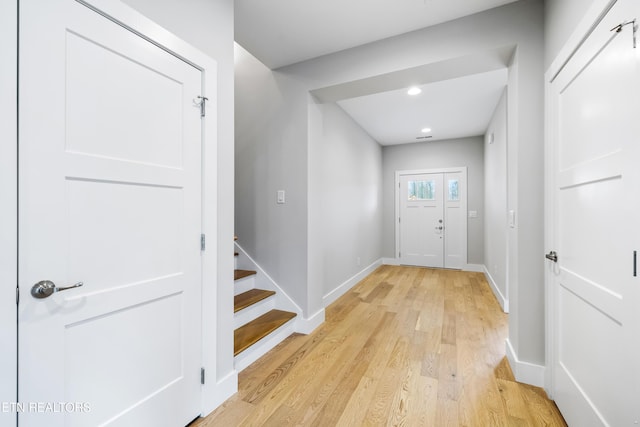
(426, 130)
(414, 91)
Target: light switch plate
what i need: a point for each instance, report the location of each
(280, 199)
(473, 214)
(512, 218)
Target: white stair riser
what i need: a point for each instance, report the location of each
(254, 311)
(244, 285)
(260, 348)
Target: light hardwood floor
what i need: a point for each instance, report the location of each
(406, 346)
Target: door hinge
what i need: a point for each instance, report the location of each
(17, 296)
(202, 376)
(635, 263)
(399, 254)
(203, 242)
(618, 28)
(202, 103)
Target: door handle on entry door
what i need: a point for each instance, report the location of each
(46, 288)
(553, 256)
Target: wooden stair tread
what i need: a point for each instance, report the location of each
(249, 298)
(241, 274)
(249, 334)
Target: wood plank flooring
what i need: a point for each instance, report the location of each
(406, 346)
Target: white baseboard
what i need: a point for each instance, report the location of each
(308, 325)
(349, 283)
(502, 300)
(476, 268)
(525, 372)
(390, 261)
(214, 394)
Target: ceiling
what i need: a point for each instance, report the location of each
(284, 32)
(454, 108)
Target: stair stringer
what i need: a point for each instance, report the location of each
(263, 281)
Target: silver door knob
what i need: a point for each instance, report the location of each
(553, 256)
(46, 288)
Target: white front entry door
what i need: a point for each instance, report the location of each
(110, 196)
(595, 291)
(432, 223)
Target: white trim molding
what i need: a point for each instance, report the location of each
(589, 22)
(463, 204)
(8, 206)
(476, 268)
(264, 281)
(502, 299)
(224, 388)
(303, 325)
(525, 372)
(350, 283)
(306, 325)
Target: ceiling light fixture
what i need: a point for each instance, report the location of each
(426, 130)
(414, 91)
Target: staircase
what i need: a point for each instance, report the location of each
(259, 324)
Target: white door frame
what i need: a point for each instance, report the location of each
(591, 19)
(8, 206)
(134, 21)
(460, 169)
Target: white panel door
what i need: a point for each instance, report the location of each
(455, 220)
(595, 293)
(422, 220)
(110, 195)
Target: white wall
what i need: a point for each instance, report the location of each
(467, 152)
(208, 26)
(495, 200)
(350, 192)
(8, 207)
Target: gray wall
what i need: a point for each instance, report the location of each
(560, 20)
(519, 24)
(295, 118)
(350, 190)
(208, 26)
(467, 152)
(330, 170)
(271, 155)
(495, 198)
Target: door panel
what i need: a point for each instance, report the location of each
(422, 221)
(595, 293)
(110, 195)
(151, 97)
